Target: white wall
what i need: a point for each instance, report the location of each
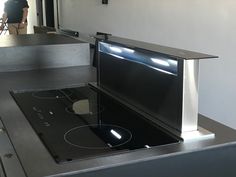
(2, 2)
(207, 26)
(32, 16)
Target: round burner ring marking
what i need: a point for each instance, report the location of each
(90, 125)
(34, 94)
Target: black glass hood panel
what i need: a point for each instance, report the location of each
(78, 123)
(150, 81)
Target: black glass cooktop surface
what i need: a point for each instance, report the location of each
(79, 123)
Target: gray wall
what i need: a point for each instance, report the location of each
(201, 25)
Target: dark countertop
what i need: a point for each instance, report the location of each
(162, 160)
(36, 39)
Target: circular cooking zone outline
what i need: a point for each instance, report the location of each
(117, 132)
(84, 109)
(60, 94)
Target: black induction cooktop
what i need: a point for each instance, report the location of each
(82, 122)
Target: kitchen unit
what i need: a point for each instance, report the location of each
(39, 51)
(150, 146)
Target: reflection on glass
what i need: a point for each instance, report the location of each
(116, 49)
(117, 56)
(128, 50)
(160, 62)
(85, 107)
(81, 107)
(173, 62)
(117, 135)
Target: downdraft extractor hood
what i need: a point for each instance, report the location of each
(159, 82)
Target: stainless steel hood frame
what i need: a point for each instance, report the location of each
(190, 129)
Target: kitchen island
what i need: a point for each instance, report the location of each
(24, 152)
(199, 158)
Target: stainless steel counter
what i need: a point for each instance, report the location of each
(35, 40)
(39, 51)
(182, 159)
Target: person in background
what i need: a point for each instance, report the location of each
(15, 15)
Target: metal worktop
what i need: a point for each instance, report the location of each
(40, 51)
(164, 160)
(36, 40)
